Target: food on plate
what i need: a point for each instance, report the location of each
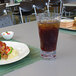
(73, 28)
(74, 21)
(7, 35)
(74, 18)
(66, 23)
(7, 52)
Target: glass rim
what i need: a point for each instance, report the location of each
(48, 16)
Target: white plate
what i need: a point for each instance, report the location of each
(20, 47)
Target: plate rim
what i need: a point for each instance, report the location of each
(19, 58)
(67, 29)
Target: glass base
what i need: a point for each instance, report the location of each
(48, 55)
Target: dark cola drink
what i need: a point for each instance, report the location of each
(48, 32)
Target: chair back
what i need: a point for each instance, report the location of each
(1, 1)
(26, 6)
(6, 1)
(39, 6)
(5, 21)
(2, 8)
(55, 3)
